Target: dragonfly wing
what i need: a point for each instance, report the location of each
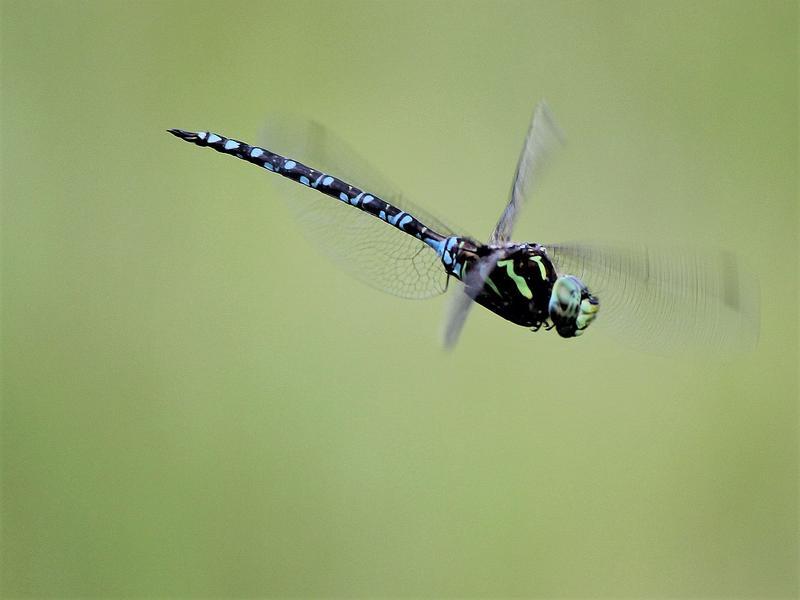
(365, 247)
(543, 137)
(462, 302)
(668, 300)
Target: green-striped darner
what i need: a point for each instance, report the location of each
(667, 298)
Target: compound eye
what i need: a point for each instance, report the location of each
(572, 307)
(564, 294)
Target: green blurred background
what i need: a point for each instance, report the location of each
(195, 404)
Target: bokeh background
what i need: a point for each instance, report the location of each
(196, 404)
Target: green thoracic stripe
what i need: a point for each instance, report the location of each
(522, 285)
(488, 280)
(542, 270)
(493, 286)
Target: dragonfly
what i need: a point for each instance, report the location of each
(676, 296)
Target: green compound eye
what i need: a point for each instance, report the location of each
(572, 307)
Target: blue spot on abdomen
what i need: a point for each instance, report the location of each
(438, 246)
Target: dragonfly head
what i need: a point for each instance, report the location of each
(572, 307)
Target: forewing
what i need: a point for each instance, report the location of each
(462, 301)
(668, 300)
(364, 246)
(543, 137)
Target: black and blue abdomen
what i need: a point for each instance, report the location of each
(322, 182)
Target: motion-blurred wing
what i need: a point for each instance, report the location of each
(543, 136)
(372, 251)
(462, 301)
(667, 300)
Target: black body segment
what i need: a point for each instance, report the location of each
(518, 281)
(322, 182)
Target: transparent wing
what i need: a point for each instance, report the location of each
(462, 302)
(367, 248)
(543, 136)
(667, 300)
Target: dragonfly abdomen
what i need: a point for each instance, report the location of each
(322, 182)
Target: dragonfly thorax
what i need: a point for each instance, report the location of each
(519, 282)
(515, 281)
